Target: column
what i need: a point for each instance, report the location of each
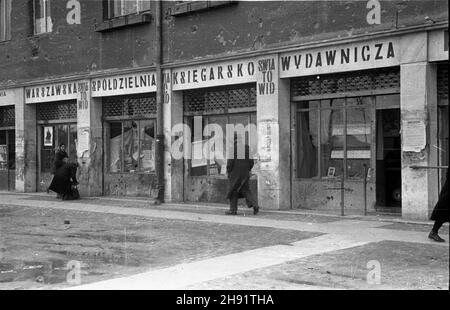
(418, 101)
(89, 142)
(26, 144)
(173, 118)
(273, 121)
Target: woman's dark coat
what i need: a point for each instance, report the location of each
(239, 173)
(441, 210)
(64, 179)
(59, 160)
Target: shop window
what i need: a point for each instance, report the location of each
(334, 138)
(131, 146)
(234, 105)
(42, 20)
(5, 20)
(210, 164)
(308, 143)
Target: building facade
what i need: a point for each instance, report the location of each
(348, 101)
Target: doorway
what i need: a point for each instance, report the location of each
(388, 163)
(50, 136)
(7, 160)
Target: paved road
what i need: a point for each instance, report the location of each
(345, 238)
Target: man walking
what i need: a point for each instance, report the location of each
(441, 212)
(238, 170)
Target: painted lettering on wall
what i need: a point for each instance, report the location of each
(83, 101)
(266, 67)
(166, 77)
(234, 72)
(348, 57)
(446, 40)
(54, 92)
(125, 84)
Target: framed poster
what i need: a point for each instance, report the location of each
(48, 136)
(331, 172)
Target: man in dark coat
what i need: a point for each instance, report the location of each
(65, 181)
(440, 213)
(238, 170)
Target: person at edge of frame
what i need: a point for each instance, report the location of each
(440, 213)
(238, 171)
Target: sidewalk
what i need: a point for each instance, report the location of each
(145, 202)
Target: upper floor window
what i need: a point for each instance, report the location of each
(186, 7)
(117, 8)
(5, 20)
(42, 17)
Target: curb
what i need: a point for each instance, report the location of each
(380, 218)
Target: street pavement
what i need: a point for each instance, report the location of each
(272, 250)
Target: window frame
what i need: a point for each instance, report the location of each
(109, 9)
(47, 17)
(5, 20)
(187, 7)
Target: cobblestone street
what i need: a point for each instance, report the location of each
(131, 244)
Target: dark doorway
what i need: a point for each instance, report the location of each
(7, 160)
(388, 169)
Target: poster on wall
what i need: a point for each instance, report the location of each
(198, 158)
(3, 157)
(48, 136)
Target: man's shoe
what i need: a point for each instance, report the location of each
(434, 236)
(255, 210)
(230, 212)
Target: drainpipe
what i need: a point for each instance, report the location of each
(159, 160)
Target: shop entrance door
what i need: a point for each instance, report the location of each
(49, 138)
(388, 164)
(7, 160)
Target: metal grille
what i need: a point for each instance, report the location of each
(60, 110)
(219, 99)
(7, 116)
(346, 82)
(125, 106)
(442, 81)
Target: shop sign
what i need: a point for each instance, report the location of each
(267, 70)
(438, 45)
(446, 40)
(8, 96)
(52, 92)
(124, 84)
(218, 74)
(348, 57)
